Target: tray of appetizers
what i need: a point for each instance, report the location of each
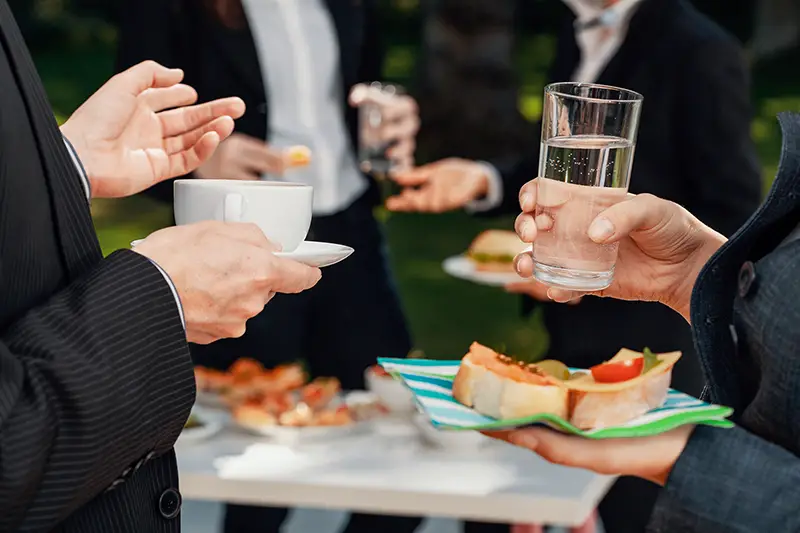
(627, 396)
(284, 404)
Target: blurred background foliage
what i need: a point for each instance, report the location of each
(73, 43)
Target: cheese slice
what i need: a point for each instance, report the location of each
(586, 383)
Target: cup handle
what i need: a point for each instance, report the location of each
(233, 208)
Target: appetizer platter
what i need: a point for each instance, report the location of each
(200, 425)
(283, 403)
(489, 259)
(627, 396)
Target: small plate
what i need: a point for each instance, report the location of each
(210, 426)
(314, 254)
(318, 254)
(462, 267)
(304, 435)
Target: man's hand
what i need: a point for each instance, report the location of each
(438, 187)
(536, 290)
(650, 458)
(137, 131)
(225, 273)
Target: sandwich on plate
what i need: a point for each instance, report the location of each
(494, 250)
(610, 394)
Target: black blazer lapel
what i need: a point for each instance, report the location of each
(77, 239)
(348, 19)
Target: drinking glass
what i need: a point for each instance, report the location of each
(588, 140)
(371, 148)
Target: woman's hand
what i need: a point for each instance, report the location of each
(400, 122)
(242, 157)
(662, 248)
(438, 187)
(650, 458)
(137, 130)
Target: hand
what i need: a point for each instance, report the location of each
(400, 122)
(536, 290)
(662, 248)
(225, 273)
(242, 157)
(650, 458)
(441, 186)
(136, 131)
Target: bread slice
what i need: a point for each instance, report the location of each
(496, 386)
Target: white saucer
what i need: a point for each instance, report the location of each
(315, 254)
(318, 254)
(462, 267)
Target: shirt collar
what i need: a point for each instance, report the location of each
(591, 14)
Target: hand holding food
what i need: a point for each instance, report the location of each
(662, 248)
(438, 187)
(241, 157)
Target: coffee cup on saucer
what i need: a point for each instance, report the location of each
(282, 210)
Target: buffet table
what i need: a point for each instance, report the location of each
(388, 469)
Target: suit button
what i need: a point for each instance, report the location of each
(747, 275)
(169, 504)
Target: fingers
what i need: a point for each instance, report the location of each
(223, 126)
(413, 177)
(169, 97)
(185, 119)
(146, 75)
(523, 264)
(527, 197)
(290, 277)
(638, 213)
(526, 228)
(403, 152)
(249, 233)
(602, 456)
(533, 288)
(190, 160)
(258, 156)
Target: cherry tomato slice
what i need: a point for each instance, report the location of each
(618, 371)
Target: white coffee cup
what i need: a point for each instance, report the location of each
(282, 210)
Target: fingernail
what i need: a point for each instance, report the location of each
(526, 201)
(526, 229)
(601, 229)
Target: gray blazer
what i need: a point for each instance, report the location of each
(746, 321)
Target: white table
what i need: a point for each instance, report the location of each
(391, 472)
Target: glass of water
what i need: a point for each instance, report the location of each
(371, 146)
(588, 139)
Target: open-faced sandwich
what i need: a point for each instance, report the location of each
(609, 394)
(298, 156)
(495, 250)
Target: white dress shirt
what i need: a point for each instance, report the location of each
(298, 51)
(87, 187)
(599, 33)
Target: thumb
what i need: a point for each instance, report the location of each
(146, 75)
(292, 277)
(642, 212)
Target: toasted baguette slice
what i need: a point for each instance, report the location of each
(598, 405)
(496, 386)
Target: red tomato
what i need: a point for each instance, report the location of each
(380, 372)
(618, 371)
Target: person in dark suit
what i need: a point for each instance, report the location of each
(741, 297)
(693, 148)
(294, 64)
(96, 381)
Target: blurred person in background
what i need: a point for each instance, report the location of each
(693, 148)
(294, 63)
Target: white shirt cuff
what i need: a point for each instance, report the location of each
(88, 189)
(494, 192)
(174, 291)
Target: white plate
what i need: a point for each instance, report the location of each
(318, 254)
(305, 435)
(210, 400)
(462, 267)
(315, 254)
(211, 425)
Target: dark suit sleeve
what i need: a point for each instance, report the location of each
(150, 30)
(730, 481)
(91, 382)
(720, 161)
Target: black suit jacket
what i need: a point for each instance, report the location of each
(745, 317)
(220, 61)
(95, 375)
(694, 148)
